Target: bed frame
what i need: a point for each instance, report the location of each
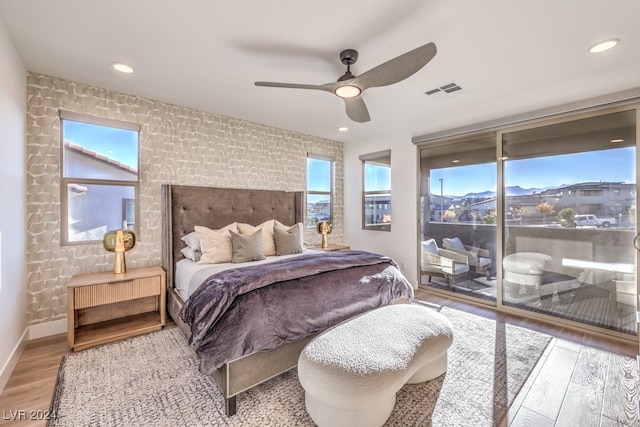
(187, 206)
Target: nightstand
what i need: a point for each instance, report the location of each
(106, 307)
(331, 247)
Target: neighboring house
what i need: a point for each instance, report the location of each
(318, 211)
(103, 203)
(377, 209)
(597, 198)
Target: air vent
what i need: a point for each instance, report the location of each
(451, 87)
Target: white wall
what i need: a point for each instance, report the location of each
(13, 270)
(400, 242)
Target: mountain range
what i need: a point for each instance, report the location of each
(510, 191)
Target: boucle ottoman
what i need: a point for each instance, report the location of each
(351, 373)
(525, 268)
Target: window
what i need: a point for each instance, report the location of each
(376, 195)
(319, 189)
(591, 193)
(100, 180)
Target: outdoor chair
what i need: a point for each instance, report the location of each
(479, 259)
(441, 262)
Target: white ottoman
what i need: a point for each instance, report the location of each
(351, 373)
(525, 268)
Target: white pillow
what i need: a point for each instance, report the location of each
(455, 243)
(216, 244)
(430, 247)
(286, 227)
(268, 242)
(192, 240)
(193, 255)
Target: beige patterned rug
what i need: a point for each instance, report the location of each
(153, 380)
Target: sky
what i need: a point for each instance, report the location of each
(117, 144)
(615, 165)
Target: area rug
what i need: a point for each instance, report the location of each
(153, 380)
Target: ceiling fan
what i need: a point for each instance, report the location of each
(350, 87)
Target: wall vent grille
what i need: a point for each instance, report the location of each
(448, 88)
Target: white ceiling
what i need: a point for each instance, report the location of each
(508, 56)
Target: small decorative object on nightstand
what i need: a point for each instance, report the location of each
(119, 241)
(106, 307)
(324, 228)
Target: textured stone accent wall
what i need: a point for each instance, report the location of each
(178, 145)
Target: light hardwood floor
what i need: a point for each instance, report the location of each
(574, 383)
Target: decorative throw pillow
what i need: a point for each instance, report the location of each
(286, 227)
(268, 243)
(193, 255)
(455, 243)
(216, 244)
(247, 247)
(288, 241)
(192, 240)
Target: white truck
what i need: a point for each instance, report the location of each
(593, 221)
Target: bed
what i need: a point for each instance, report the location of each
(185, 207)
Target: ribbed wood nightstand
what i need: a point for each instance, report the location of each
(106, 307)
(330, 248)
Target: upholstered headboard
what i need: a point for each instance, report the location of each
(185, 206)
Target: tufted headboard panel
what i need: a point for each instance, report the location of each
(185, 206)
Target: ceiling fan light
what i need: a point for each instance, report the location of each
(347, 91)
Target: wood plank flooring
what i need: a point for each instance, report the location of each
(577, 382)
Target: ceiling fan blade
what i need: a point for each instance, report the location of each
(397, 69)
(326, 87)
(357, 109)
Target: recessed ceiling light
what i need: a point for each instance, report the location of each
(603, 45)
(455, 161)
(617, 140)
(343, 128)
(123, 68)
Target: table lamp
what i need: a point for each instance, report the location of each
(119, 241)
(324, 228)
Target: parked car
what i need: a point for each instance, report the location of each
(592, 220)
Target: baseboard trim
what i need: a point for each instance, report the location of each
(47, 329)
(8, 367)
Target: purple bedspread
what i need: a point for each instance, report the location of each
(247, 309)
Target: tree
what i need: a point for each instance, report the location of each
(566, 216)
(448, 215)
(545, 209)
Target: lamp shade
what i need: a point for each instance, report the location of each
(119, 241)
(111, 241)
(324, 227)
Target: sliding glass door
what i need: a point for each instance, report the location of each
(538, 218)
(569, 217)
(458, 217)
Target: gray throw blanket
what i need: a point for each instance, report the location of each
(255, 308)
